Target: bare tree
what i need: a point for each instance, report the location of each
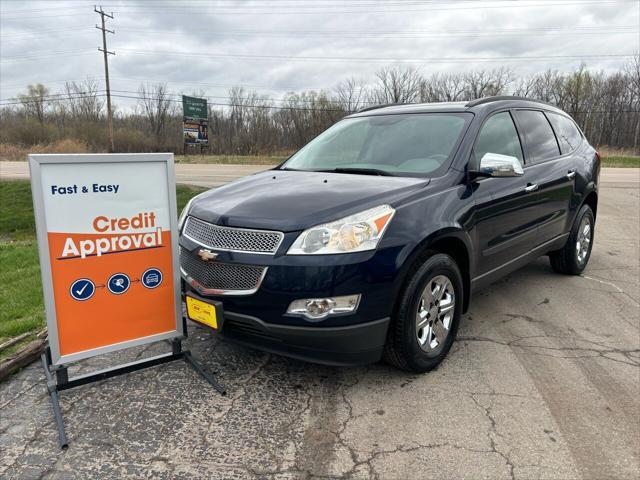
(606, 105)
(351, 94)
(485, 83)
(632, 71)
(84, 100)
(449, 87)
(156, 106)
(35, 100)
(397, 85)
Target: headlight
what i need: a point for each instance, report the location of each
(185, 211)
(355, 233)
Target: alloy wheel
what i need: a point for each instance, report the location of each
(435, 314)
(584, 239)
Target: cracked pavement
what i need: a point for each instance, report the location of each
(542, 383)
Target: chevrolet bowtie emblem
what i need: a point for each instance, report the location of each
(207, 255)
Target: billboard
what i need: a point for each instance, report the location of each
(108, 244)
(195, 122)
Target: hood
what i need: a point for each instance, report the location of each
(294, 200)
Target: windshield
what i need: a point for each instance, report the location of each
(408, 144)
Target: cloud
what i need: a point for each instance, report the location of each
(192, 40)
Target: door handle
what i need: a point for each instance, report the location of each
(571, 174)
(531, 188)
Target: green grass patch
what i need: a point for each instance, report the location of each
(21, 302)
(232, 159)
(622, 161)
(184, 193)
(21, 292)
(16, 211)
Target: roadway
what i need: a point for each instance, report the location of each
(543, 382)
(212, 175)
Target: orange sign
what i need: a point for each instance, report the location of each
(107, 235)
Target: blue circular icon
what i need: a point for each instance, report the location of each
(118, 283)
(151, 278)
(82, 289)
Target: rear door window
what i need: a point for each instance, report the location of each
(538, 136)
(568, 134)
(498, 135)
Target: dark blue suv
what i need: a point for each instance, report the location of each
(369, 241)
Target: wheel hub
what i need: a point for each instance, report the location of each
(584, 239)
(435, 314)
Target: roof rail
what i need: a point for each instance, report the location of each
(482, 101)
(375, 107)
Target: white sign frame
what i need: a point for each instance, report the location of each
(35, 161)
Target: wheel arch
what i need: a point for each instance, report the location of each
(453, 242)
(592, 200)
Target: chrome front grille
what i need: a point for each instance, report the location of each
(216, 278)
(232, 239)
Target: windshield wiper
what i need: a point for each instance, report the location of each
(359, 171)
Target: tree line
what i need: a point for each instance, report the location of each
(605, 105)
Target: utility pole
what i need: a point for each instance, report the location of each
(106, 54)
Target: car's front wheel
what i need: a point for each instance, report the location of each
(427, 317)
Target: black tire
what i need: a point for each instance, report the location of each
(402, 349)
(567, 260)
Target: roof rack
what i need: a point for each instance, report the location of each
(482, 101)
(375, 107)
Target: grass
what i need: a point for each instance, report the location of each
(232, 159)
(621, 161)
(21, 302)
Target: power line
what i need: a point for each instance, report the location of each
(379, 59)
(601, 30)
(154, 97)
(42, 32)
(331, 59)
(263, 107)
(369, 11)
(300, 5)
(47, 82)
(48, 100)
(31, 17)
(50, 96)
(277, 107)
(63, 53)
(400, 34)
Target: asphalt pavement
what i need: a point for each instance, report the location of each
(542, 383)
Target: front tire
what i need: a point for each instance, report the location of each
(574, 256)
(427, 317)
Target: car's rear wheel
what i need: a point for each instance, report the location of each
(574, 256)
(427, 317)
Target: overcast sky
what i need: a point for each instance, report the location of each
(275, 46)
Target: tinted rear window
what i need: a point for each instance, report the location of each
(538, 135)
(568, 134)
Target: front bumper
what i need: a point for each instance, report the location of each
(260, 319)
(339, 346)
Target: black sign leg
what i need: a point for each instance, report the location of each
(61, 381)
(186, 354)
(53, 395)
(207, 376)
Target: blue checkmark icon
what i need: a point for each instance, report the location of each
(82, 289)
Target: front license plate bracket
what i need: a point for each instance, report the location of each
(206, 312)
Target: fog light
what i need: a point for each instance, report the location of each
(316, 308)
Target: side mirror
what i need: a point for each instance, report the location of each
(496, 165)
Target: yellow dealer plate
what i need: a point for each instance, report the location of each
(202, 312)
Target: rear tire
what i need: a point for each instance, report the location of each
(574, 256)
(427, 317)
